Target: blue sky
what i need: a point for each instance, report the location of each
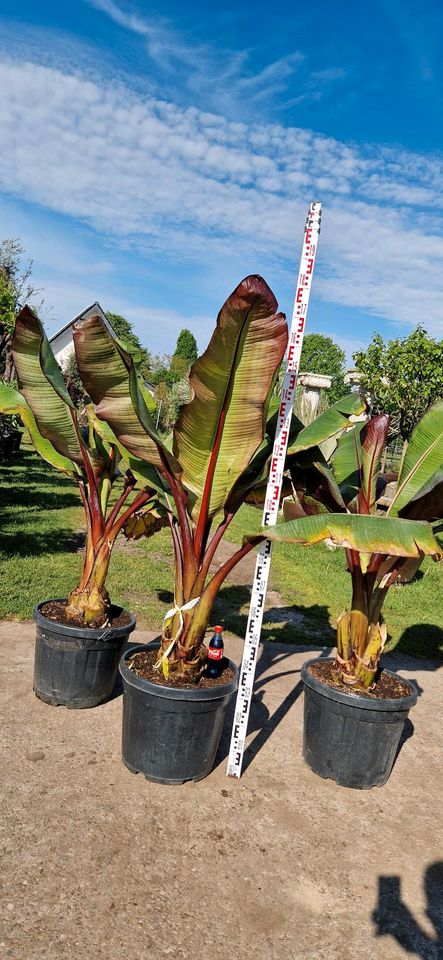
(153, 154)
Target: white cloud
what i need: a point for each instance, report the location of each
(189, 185)
(220, 78)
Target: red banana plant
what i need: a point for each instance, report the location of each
(46, 409)
(339, 503)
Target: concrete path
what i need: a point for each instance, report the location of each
(99, 864)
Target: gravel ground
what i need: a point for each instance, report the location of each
(99, 863)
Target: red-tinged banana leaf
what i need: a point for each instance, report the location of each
(422, 466)
(330, 493)
(144, 472)
(365, 533)
(41, 382)
(220, 430)
(373, 445)
(331, 423)
(109, 375)
(12, 402)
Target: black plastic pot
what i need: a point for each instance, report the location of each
(74, 666)
(349, 738)
(171, 734)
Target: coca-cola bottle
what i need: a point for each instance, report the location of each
(214, 656)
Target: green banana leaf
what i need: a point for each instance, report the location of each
(304, 457)
(222, 427)
(367, 534)
(11, 401)
(109, 375)
(422, 465)
(346, 462)
(41, 383)
(329, 424)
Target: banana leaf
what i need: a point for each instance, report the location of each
(422, 465)
(11, 401)
(222, 427)
(109, 375)
(144, 472)
(367, 534)
(251, 484)
(41, 382)
(329, 424)
(346, 462)
(375, 438)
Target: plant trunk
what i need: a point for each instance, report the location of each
(361, 636)
(90, 601)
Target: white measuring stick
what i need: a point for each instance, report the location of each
(273, 491)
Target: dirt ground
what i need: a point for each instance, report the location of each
(99, 863)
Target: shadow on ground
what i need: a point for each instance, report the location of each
(393, 918)
(419, 638)
(35, 544)
(295, 624)
(261, 719)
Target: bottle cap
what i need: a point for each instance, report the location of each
(218, 629)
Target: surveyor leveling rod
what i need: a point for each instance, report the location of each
(273, 491)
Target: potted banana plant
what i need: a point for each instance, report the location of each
(355, 711)
(79, 640)
(172, 715)
(217, 458)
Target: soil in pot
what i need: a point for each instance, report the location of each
(389, 685)
(170, 732)
(76, 666)
(353, 737)
(142, 664)
(56, 610)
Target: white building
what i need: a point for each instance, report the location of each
(62, 342)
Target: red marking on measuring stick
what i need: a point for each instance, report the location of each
(273, 491)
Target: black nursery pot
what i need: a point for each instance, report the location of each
(350, 738)
(75, 666)
(171, 734)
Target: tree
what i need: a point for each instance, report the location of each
(186, 347)
(123, 330)
(16, 287)
(321, 355)
(403, 377)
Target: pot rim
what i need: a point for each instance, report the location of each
(354, 699)
(102, 633)
(174, 693)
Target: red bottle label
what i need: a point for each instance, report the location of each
(214, 653)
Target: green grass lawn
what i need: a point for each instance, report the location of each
(41, 524)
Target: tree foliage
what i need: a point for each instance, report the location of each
(320, 354)
(169, 403)
(186, 347)
(124, 331)
(403, 377)
(16, 287)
